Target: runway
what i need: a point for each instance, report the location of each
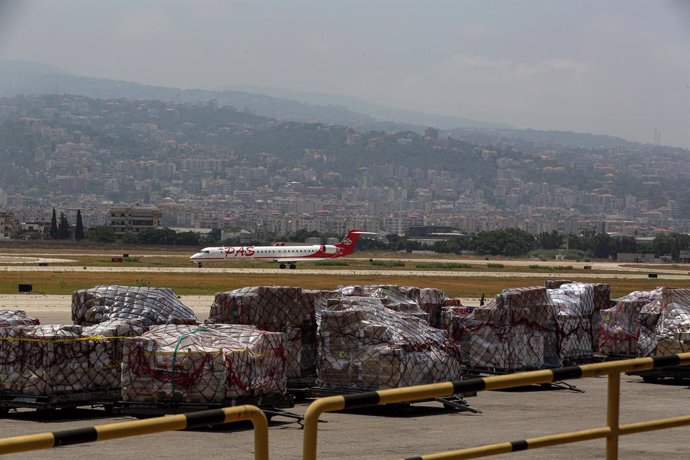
(638, 274)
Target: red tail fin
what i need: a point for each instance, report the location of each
(347, 246)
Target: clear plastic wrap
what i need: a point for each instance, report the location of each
(619, 330)
(62, 359)
(16, 318)
(142, 304)
(577, 317)
(364, 345)
(289, 310)
(517, 330)
(203, 364)
(665, 324)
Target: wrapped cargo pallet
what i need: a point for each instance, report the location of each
(515, 331)
(289, 310)
(577, 319)
(143, 304)
(665, 324)
(203, 364)
(363, 345)
(16, 318)
(57, 360)
(396, 298)
(619, 330)
(405, 298)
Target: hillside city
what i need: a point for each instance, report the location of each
(205, 166)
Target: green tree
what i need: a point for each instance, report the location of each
(63, 227)
(53, 227)
(550, 240)
(212, 238)
(603, 245)
(508, 242)
(102, 234)
(395, 242)
(187, 239)
(157, 236)
(626, 244)
(79, 229)
(671, 244)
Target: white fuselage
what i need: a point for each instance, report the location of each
(285, 254)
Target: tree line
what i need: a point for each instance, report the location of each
(61, 229)
(510, 242)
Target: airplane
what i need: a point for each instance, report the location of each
(280, 252)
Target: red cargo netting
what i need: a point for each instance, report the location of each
(16, 318)
(363, 345)
(665, 324)
(620, 325)
(516, 331)
(56, 360)
(203, 364)
(424, 302)
(577, 317)
(288, 310)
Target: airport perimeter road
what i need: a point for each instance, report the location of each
(388, 433)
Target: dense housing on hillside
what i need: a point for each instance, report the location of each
(205, 166)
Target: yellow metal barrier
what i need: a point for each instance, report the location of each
(611, 431)
(142, 427)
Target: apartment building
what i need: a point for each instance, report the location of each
(133, 219)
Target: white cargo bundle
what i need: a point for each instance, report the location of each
(203, 364)
(16, 318)
(146, 305)
(575, 315)
(517, 330)
(665, 324)
(285, 309)
(364, 345)
(619, 330)
(62, 359)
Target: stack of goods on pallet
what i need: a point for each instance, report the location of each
(62, 360)
(396, 298)
(16, 318)
(203, 364)
(143, 304)
(288, 310)
(429, 300)
(665, 324)
(620, 325)
(515, 331)
(577, 318)
(363, 345)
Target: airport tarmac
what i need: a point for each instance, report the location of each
(389, 433)
(383, 432)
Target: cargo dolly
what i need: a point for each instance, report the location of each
(558, 385)
(455, 402)
(106, 399)
(271, 405)
(659, 375)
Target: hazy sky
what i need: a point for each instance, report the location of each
(619, 67)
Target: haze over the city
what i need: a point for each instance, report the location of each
(607, 67)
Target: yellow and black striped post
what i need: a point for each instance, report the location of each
(611, 432)
(142, 427)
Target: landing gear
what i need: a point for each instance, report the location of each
(198, 265)
(282, 266)
(293, 266)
